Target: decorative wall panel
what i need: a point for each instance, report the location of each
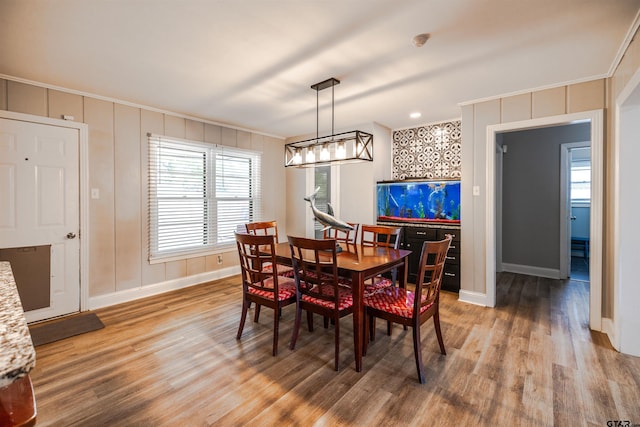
(432, 151)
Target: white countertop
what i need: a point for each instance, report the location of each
(17, 354)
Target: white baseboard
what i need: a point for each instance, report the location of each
(471, 297)
(550, 273)
(114, 298)
(609, 328)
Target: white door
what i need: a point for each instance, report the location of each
(39, 203)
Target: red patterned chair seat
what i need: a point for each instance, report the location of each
(345, 298)
(342, 281)
(394, 300)
(379, 284)
(283, 270)
(286, 289)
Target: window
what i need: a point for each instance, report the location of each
(322, 179)
(199, 194)
(580, 181)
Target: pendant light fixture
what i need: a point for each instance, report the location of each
(343, 147)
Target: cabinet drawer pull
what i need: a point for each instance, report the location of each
(450, 274)
(421, 233)
(451, 257)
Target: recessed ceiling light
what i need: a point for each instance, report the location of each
(415, 115)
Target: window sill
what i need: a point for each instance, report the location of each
(159, 259)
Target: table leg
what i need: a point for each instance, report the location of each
(357, 281)
(404, 273)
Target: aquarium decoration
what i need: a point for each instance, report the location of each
(419, 201)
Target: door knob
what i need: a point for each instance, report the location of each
(573, 218)
(71, 235)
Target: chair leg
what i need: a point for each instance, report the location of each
(243, 316)
(310, 321)
(256, 314)
(417, 351)
(389, 327)
(276, 321)
(326, 322)
(395, 273)
(296, 327)
(436, 324)
(372, 327)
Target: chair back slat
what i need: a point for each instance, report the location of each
(430, 270)
(263, 228)
(342, 236)
(256, 252)
(380, 236)
(315, 267)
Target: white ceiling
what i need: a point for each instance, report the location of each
(251, 63)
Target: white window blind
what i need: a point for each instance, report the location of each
(581, 181)
(198, 195)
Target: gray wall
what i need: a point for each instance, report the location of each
(531, 194)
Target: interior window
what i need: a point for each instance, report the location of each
(580, 175)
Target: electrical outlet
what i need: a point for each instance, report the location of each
(219, 259)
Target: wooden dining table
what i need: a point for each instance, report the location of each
(360, 263)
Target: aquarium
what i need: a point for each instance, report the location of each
(418, 201)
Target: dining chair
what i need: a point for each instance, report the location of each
(269, 228)
(318, 289)
(342, 236)
(263, 228)
(382, 236)
(347, 237)
(385, 236)
(260, 285)
(412, 308)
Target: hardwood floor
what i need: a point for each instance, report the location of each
(174, 360)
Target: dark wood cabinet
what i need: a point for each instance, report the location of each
(412, 239)
(451, 274)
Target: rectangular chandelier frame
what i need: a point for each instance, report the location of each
(343, 147)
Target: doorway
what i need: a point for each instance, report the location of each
(533, 226)
(42, 175)
(595, 118)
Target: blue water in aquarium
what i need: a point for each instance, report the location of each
(419, 201)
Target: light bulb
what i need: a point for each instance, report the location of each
(340, 151)
(357, 149)
(324, 153)
(311, 156)
(297, 158)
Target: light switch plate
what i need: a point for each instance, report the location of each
(476, 190)
(95, 193)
